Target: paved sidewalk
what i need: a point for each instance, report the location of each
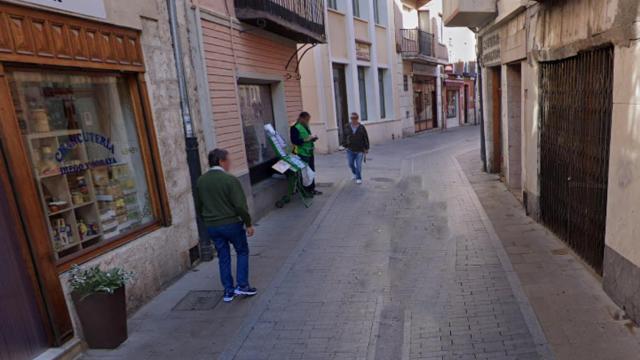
(578, 318)
(406, 266)
(402, 267)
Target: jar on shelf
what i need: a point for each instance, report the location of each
(48, 161)
(40, 120)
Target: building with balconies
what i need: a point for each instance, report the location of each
(560, 96)
(249, 57)
(357, 70)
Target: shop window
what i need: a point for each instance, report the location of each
(452, 103)
(381, 88)
(362, 86)
(82, 136)
(256, 109)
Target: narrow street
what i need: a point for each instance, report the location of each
(406, 266)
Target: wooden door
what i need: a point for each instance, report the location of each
(22, 334)
(575, 138)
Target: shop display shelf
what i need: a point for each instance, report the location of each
(67, 247)
(55, 133)
(48, 176)
(89, 238)
(59, 212)
(84, 204)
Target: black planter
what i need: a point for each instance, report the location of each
(103, 317)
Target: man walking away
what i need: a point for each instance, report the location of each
(357, 145)
(303, 143)
(222, 205)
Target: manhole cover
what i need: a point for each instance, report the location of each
(382, 179)
(199, 300)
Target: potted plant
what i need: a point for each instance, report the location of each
(99, 297)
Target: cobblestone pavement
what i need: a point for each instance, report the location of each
(578, 318)
(405, 266)
(402, 267)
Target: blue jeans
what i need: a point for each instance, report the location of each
(355, 163)
(236, 235)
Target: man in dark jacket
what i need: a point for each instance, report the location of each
(357, 145)
(222, 205)
(303, 142)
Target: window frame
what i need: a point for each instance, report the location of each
(149, 153)
(333, 5)
(263, 170)
(376, 12)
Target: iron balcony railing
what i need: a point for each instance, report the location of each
(300, 20)
(416, 42)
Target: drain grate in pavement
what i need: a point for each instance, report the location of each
(382, 179)
(324, 184)
(199, 300)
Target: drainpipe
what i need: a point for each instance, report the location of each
(191, 141)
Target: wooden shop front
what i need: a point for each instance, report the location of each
(80, 168)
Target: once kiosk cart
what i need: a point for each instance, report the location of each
(296, 170)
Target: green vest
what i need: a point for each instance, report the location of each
(305, 149)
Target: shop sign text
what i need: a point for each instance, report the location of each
(93, 8)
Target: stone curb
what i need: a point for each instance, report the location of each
(542, 345)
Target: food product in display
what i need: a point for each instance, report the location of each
(77, 198)
(48, 165)
(57, 205)
(83, 229)
(62, 234)
(40, 120)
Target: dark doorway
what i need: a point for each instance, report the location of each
(340, 94)
(466, 104)
(496, 128)
(22, 335)
(575, 133)
(424, 103)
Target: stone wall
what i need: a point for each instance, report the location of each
(159, 257)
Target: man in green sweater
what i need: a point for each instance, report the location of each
(222, 205)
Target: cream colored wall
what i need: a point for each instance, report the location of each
(575, 20)
(317, 97)
(338, 42)
(623, 207)
(361, 29)
(507, 7)
(382, 49)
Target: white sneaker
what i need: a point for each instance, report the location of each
(354, 178)
(358, 181)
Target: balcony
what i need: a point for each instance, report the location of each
(468, 13)
(415, 4)
(418, 46)
(298, 20)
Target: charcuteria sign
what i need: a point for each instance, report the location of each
(93, 8)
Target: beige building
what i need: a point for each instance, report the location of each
(357, 70)
(561, 94)
(424, 56)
